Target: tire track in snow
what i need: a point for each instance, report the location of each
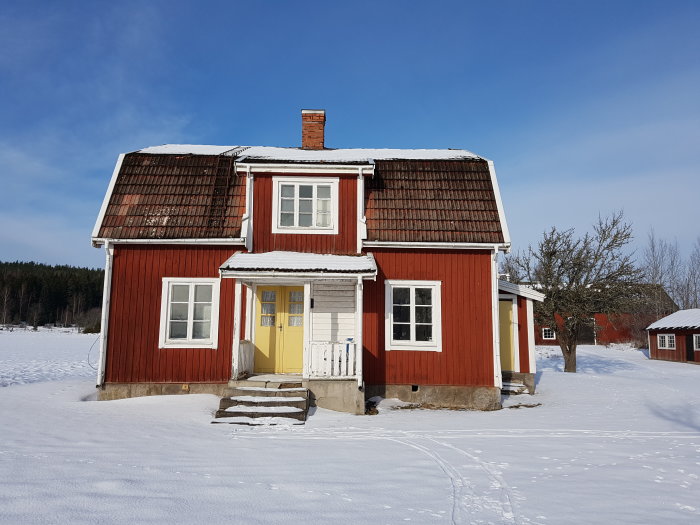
(458, 482)
(507, 501)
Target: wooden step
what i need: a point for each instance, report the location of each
(270, 406)
(270, 401)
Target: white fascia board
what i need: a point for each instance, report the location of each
(264, 276)
(233, 241)
(108, 197)
(436, 245)
(521, 290)
(499, 204)
(305, 168)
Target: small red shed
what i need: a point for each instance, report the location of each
(676, 337)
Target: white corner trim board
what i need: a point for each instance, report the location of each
(106, 297)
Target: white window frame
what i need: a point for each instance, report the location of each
(433, 346)
(306, 181)
(545, 338)
(696, 342)
(663, 341)
(212, 342)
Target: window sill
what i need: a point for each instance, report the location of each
(188, 344)
(395, 347)
(305, 231)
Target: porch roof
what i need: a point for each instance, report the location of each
(299, 264)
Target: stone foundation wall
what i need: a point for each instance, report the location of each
(343, 396)
(112, 391)
(447, 396)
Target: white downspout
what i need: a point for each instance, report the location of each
(106, 297)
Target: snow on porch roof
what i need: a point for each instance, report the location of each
(299, 263)
(680, 319)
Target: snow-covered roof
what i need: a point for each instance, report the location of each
(296, 262)
(273, 154)
(680, 319)
(188, 149)
(519, 289)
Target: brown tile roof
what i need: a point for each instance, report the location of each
(432, 201)
(175, 197)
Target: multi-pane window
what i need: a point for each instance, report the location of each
(189, 312)
(696, 342)
(305, 205)
(666, 341)
(413, 315)
(548, 333)
(295, 314)
(268, 308)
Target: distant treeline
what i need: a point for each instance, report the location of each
(38, 294)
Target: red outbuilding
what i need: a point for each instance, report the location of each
(357, 271)
(676, 337)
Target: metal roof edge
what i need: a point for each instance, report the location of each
(519, 289)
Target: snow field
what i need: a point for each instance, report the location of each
(619, 442)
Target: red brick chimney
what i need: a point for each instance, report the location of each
(312, 123)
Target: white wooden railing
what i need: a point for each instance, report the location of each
(330, 360)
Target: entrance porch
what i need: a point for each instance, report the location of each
(298, 318)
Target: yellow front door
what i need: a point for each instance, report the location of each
(505, 311)
(279, 331)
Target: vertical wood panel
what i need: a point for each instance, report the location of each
(132, 353)
(467, 353)
(345, 242)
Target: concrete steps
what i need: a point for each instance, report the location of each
(283, 404)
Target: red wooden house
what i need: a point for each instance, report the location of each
(676, 337)
(360, 271)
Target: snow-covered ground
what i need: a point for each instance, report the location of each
(619, 442)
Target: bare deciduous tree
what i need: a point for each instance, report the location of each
(663, 265)
(579, 277)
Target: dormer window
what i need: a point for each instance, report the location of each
(305, 205)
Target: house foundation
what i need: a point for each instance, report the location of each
(112, 391)
(441, 396)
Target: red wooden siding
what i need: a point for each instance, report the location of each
(132, 350)
(344, 242)
(680, 353)
(523, 347)
(613, 329)
(467, 332)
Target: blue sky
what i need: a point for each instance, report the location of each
(585, 107)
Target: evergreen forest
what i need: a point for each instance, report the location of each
(37, 294)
